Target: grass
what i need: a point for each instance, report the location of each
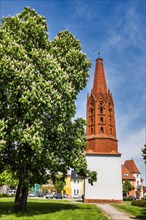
(41, 209)
(138, 212)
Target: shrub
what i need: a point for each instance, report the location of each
(6, 195)
(139, 203)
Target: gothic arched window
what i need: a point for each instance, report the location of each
(91, 130)
(101, 130)
(101, 109)
(111, 130)
(101, 119)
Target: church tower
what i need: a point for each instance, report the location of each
(102, 145)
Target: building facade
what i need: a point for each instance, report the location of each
(102, 145)
(131, 173)
(77, 185)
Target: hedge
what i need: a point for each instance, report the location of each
(139, 203)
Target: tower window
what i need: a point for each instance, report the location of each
(101, 119)
(91, 130)
(101, 109)
(111, 130)
(101, 130)
(92, 111)
(91, 120)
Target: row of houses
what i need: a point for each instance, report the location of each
(74, 184)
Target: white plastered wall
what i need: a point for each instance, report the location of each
(109, 177)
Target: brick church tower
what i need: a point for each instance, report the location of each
(102, 145)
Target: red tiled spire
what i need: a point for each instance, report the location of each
(99, 84)
(101, 128)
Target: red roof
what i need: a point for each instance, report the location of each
(131, 166)
(126, 175)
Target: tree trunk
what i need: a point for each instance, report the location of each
(20, 198)
(18, 191)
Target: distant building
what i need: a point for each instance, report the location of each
(131, 173)
(67, 187)
(102, 145)
(77, 185)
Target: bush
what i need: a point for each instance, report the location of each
(6, 195)
(1, 195)
(139, 203)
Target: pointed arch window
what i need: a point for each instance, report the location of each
(101, 130)
(110, 130)
(92, 121)
(91, 130)
(101, 110)
(101, 119)
(91, 111)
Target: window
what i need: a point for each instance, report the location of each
(91, 120)
(101, 130)
(110, 130)
(91, 111)
(101, 109)
(91, 130)
(101, 119)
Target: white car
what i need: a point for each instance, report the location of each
(31, 194)
(12, 191)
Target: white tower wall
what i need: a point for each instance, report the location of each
(109, 178)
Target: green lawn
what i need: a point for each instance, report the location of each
(41, 209)
(138, 212)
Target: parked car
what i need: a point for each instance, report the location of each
(12, 191)
(65, 196)
(31, 194)
(132, 197)
(49, 196)
(58, 196)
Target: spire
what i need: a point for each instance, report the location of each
(99, 84)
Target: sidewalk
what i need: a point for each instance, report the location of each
(113, 213)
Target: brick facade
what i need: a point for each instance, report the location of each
(101, 129)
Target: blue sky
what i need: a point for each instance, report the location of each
(116, 28)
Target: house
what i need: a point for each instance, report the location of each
(131, 173)
(77, 185)
(67, 187)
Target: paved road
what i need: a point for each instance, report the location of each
(113, 213)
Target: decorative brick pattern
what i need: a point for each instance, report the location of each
(101, 128)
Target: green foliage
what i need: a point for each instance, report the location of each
(138, 212)
(40, 80)
(139, 203)
(6, 178)
(59, 185)
(127, 186)
(6, 195)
